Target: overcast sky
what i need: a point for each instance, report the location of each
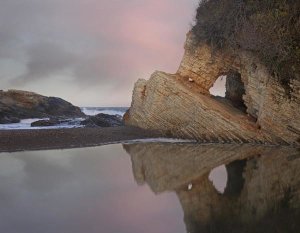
(90, 52)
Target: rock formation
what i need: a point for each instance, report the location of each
(262, 191)
(256, 108)
(16, 105)
(57, 121)
(43, 123)
(103, 120)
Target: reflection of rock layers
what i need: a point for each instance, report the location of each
(169, 166)
(263, 182)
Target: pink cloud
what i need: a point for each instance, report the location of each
(139, 32)
(115, 42)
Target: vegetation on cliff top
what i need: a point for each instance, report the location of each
(268, 28)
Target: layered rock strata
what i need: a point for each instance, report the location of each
(180, 104)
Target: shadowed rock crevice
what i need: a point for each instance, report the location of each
(235, 90)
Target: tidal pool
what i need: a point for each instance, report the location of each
(151, 187)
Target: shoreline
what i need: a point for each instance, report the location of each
(70, 138)
(67, 138)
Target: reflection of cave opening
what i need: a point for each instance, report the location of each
(228, 179)
(236, 180)
(232, 88)
(218, 176)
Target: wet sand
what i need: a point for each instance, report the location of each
(19, 140)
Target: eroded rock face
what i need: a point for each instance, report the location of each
(178, 107)
(15, 104)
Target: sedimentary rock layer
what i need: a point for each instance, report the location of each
(180, 104)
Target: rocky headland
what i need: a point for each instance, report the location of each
(17, 104)
(260, 105)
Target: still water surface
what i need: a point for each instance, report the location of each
(151, 187)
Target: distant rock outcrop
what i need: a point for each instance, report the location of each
(42, 123)
(103, 120)
(16, 105)
(256, 108)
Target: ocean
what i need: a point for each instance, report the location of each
(91, 111)
(74, 123)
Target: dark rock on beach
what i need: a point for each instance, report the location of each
(56, 121)
(103, 120)
(16, 105)
(41, 123)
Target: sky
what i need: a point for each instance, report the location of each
(90, 52)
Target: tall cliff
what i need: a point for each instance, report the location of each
(180, 104)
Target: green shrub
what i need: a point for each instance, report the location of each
(268, 28)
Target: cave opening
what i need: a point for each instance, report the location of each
(231, 88)
(219, 87)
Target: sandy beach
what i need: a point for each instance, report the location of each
(19, 140)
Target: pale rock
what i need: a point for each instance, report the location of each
(177, 107)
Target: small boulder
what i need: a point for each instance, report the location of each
(103, 120)
(41, 123)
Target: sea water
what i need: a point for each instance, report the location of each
(91, 111)
(73, 123)
(151, 188)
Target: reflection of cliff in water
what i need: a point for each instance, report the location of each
(262, 193)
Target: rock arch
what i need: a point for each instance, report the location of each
(180, 104)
